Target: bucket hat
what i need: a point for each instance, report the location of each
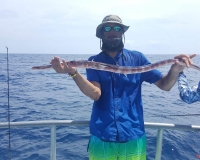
(110, 19)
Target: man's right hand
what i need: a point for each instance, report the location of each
(62, 67)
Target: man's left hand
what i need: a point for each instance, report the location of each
(177, 67)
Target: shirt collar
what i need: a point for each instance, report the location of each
(119, 54)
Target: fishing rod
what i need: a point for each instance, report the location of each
(9, 146)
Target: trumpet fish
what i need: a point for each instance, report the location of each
(118, 69)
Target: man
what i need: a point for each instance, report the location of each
(188, 94)
(117, 124)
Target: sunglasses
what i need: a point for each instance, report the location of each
(115, 28)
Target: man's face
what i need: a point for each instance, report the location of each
(112, 31)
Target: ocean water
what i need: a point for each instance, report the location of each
(46, 95)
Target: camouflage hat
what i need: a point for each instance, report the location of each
(110, 19)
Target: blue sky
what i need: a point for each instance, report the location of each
(68, 26)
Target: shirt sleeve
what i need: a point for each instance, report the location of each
(188, 94)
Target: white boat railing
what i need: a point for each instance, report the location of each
(53, 123)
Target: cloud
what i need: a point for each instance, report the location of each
(153, 42)
(130, 43)
(4, 14)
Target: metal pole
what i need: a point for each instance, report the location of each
(159, 144)
(53, 143)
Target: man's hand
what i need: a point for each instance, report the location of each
(177, 67)
(168, 81)
(62, 67)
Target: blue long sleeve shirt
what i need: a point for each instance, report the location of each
(117, 116)
(188, 94)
